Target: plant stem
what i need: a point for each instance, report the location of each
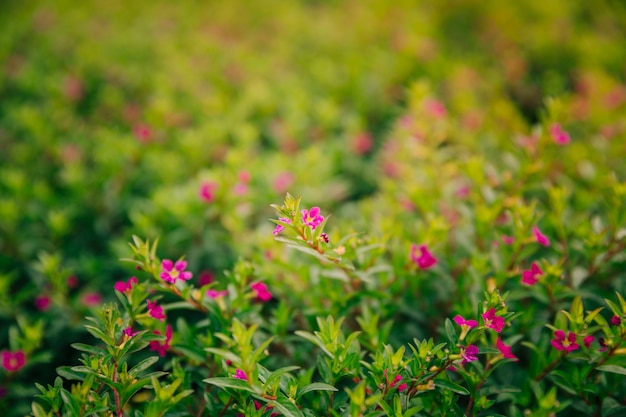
(550, 367)
(116, 394)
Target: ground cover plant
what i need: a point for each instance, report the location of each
(312, 209)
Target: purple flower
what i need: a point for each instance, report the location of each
(425, 259)
(174, 271)
(469, 354)
(312, 218)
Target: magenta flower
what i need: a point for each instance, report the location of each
(505, 350)
(469, 354)
(560, 342)
(91, 299)
(239, 374)
(129, 332)
(312, 218)
(616, 320)
(279, 227)
(205, 278)
(397, 379)
(540, 237)
(508, 240)
(13, 361)
(244, 176)
(425, 259)
(560, 136)
(587, 341)
(492, 321)
(42, 302)
(211, 293)
(122, 286)
(155, 310)
(161, 349)
(462, 322)
(531, 276)
(262, 293)
(207, 191)
(174, 271)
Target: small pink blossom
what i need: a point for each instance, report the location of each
(129, 332)
(508, 240)
(43, 302)
(312, 217)
(531, 276)
(155, 310)
(616, 320)
(463, 191)
(540, 237)
(493, 321)
(207, 191)
(244, 176)
(560, 136)
(239, 374)
(161, 349)
(211, 293)
(282, 182)
(435, 108)
(469, 354)
(13, 361)
(123, 286)
(362, 143)
(279, 227)
(560, 342)
(72, 281)
(240, 189)
(462, 322)
(91, 299)
(425, 259)
(205, 278)
(174, 271)
(261, 291)
(505, 350)
(587, 341)
(142, 132)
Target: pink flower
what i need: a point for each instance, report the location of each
(492, 321)
(240, 189)
(211, 293)
(207, 191)
(205, 278)
(279, 227)
(425, 259)
(463, 191)
(155, 310)
(435, 108)
(312, 218)
(91, 299)
(244, 176)
(282, 182)
(508, 240)
(72, 281)
(13, 361)
(505, 350)
(560, 342)
(142, 132)
(261, 291)
(531, 276)
(42, 302)
(560, 136)
(469, 354)
(173, 271)
(129, 332)
(462, 322)
(587, 341)
(239, 374)
(540, 237)
(616, 320)
(161, 349)
(362, 143)
(122, 286)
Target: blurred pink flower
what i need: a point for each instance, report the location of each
(142, 132)
(129, 332)
(205, 278)
(13, 361)
(587, 341)
(560, 136)
(505, 350)
(91, 299)
(508, 240)
(435, 108)
(261, 291)
(207, 191)
(469, 354)
(72, 281)
(540, 237)
(279, 227)
(425, 259)
(211, 293)
(155, 310)
(122, 286)
(244, 176)
(616, 320)
(239, 374)
(530, 276)
(42, 302)
(282, 182)
(462, 322)
(161, 349)
(362, 143)
(240, 189)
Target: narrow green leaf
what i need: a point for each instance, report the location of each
(316, 386)
(451, 386)
(614, 369)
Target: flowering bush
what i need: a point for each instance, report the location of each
(461, 245)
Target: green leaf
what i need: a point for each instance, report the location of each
(316, 386)
(286, 407)
(614, 369)
(229, 382)
(451, 386)
(38, 410)
(89, 349)
(142, 366)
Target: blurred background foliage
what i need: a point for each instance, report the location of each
(114, 114)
